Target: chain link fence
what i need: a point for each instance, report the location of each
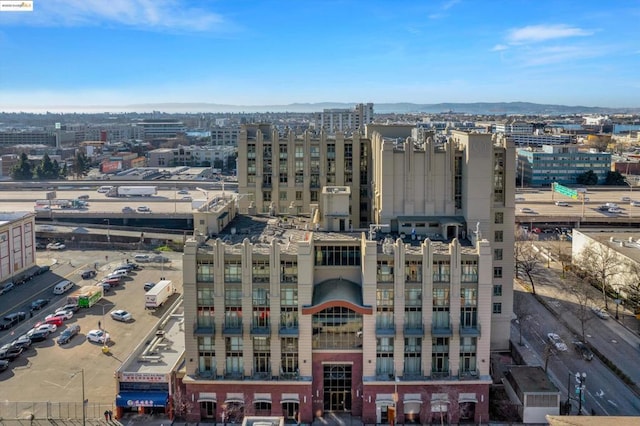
(51, 410)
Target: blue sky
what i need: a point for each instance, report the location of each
(250, 52)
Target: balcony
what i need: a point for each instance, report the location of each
(260, 329)
(232, 328)
(385, 329)
(261, 375)
(289, 375)
(204, 329)
(470, 330)
(441, 330)
(234, 375)
(414, 329)
(441, 374)
(261, 279)
(291, 330)
(385, 375)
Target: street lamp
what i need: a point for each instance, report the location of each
(84, 401)
(108, 233)
(581, 379)
(617, 301)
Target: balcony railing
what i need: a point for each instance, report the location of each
(385, 375)
(261, 329)
(440, 374)
(470, 330)
(385, 329)
(232, 328)
(414, 329)
(204, 330)
(468, 374)
(441, 329)
(260, 279)
(291, 330)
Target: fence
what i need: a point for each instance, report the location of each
(51, 410)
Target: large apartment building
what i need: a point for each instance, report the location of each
(391, 320)
(334, 120)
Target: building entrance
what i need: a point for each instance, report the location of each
(337, 387)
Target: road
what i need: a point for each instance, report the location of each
(49, 372)
(605, 393)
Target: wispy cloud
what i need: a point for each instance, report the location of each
(441, 10)
(156, 15)
(539, 33)
(499, 47)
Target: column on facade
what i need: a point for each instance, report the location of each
(427, 305)
(454, 305)
(274, 306)
(485, 291)
(305, 297)
(189, 285)
(218, 305)
(398, 306)
(247, 306)
(409, 171)
(369, 284)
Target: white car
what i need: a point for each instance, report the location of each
(49, 328)
(183, 192)
(562, 204)
(625, 199)
(65, 315)
(520, 199)
(615, 210)
(635, 203)
(56, 246)
(98, 336)
(144, 209)
(526, 210)
(121, 315)
(121, 273)
(142, 258)
(557, 342)
(600, 313)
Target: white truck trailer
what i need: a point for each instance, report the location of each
(158, 294)
(132, 191)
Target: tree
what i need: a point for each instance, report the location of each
(22, 170)
(181, 404)
(614, 178)
(527, 261)
(521, 311)
(600, 262)
(579, 289)
(64, 171)
(631, 284)
(561, 252)
(587, 178)
(81, 165)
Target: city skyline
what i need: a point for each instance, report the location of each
(92, 53)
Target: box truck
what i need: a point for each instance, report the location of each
(86, 297)
(159, 294)
(132, 191)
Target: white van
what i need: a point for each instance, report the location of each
(104, 189)
(62, 287)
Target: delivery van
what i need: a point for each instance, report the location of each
(62, 287)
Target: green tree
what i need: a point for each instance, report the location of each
(47, 170)
(587, 178)
(22, 170)
(81, 165)
(614, 178)
(64, 171)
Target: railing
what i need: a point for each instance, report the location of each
(385, 329)
(470, 330)
(441, 329)
(260, 279)
(412, 329)
(441, 374)
(468, 374)
(232, 328)
(204, 330)
(289, 330)
(261, 329)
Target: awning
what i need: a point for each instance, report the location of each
(385, 399)
(142, 399)
(233, 400)
(262, 397)
(467, 397)
(290, 398)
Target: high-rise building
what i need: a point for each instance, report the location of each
(344, 119)
(390, 320)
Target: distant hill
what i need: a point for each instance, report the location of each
(496, 108)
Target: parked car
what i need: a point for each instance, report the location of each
(128, 210)
(69, 307)
(90, 273)
(615, 210)
(98, 336)
(148, 286)
(128, 266)
(83, 197)
(6, 287)
(9, 352)
(50, 328)
(635, 203)
(124, 271)
(105, 286)
(36, 305)
(160, 259)
(600, 313)
(583, 350)
(43, 269)
(57, 321)
(113, 282)
(23, 341)
(64, 315)
(4, 364)
(142, 258)
(120, 273)
(556, 341)
(520, 199)
(625, 199)
(68, 334)
(38, 335)
(121, 315)
(187, 198)
(12, 319)
(56, 246)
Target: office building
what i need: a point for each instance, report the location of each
(301, 316)
(343, 119)
(17, 244)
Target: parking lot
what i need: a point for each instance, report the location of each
(50, 372)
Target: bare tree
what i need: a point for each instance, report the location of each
(527, 261)
(579, 289)
(181, 404)
(561, 251)
(631, 285)
(600, 262)
(521, 311)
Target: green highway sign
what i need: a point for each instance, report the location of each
(563, 190)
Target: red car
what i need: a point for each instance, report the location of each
(57, 321)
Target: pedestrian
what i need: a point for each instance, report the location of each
(99, 325)
(106, 415)
(110, 415)
(30, 314)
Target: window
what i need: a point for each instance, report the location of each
(498, 218)
(233, 271)
(441, 271)
(260, 271)
(233, 351)
(497, 254)
(266, 195)
(385, 271)
(336, 328)
(283, 194)
(497, 272)
(469, 271)
(412, 355)
(206, 356)
(314, 195)
(337, 255)
(384, 356)
(204, 272)
(498, 236)
(298, 195)
(205, 296)
(288, 271)
(413, 271)
(261, 355)
(440, 356)
(497, 308)
(289, 353)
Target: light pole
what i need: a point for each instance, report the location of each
(84, 401)
(617, 301)
(581, 379)
(108, 233)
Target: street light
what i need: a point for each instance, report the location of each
(581, 379)
(84, 401)
(108, 234)
(617, 301)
